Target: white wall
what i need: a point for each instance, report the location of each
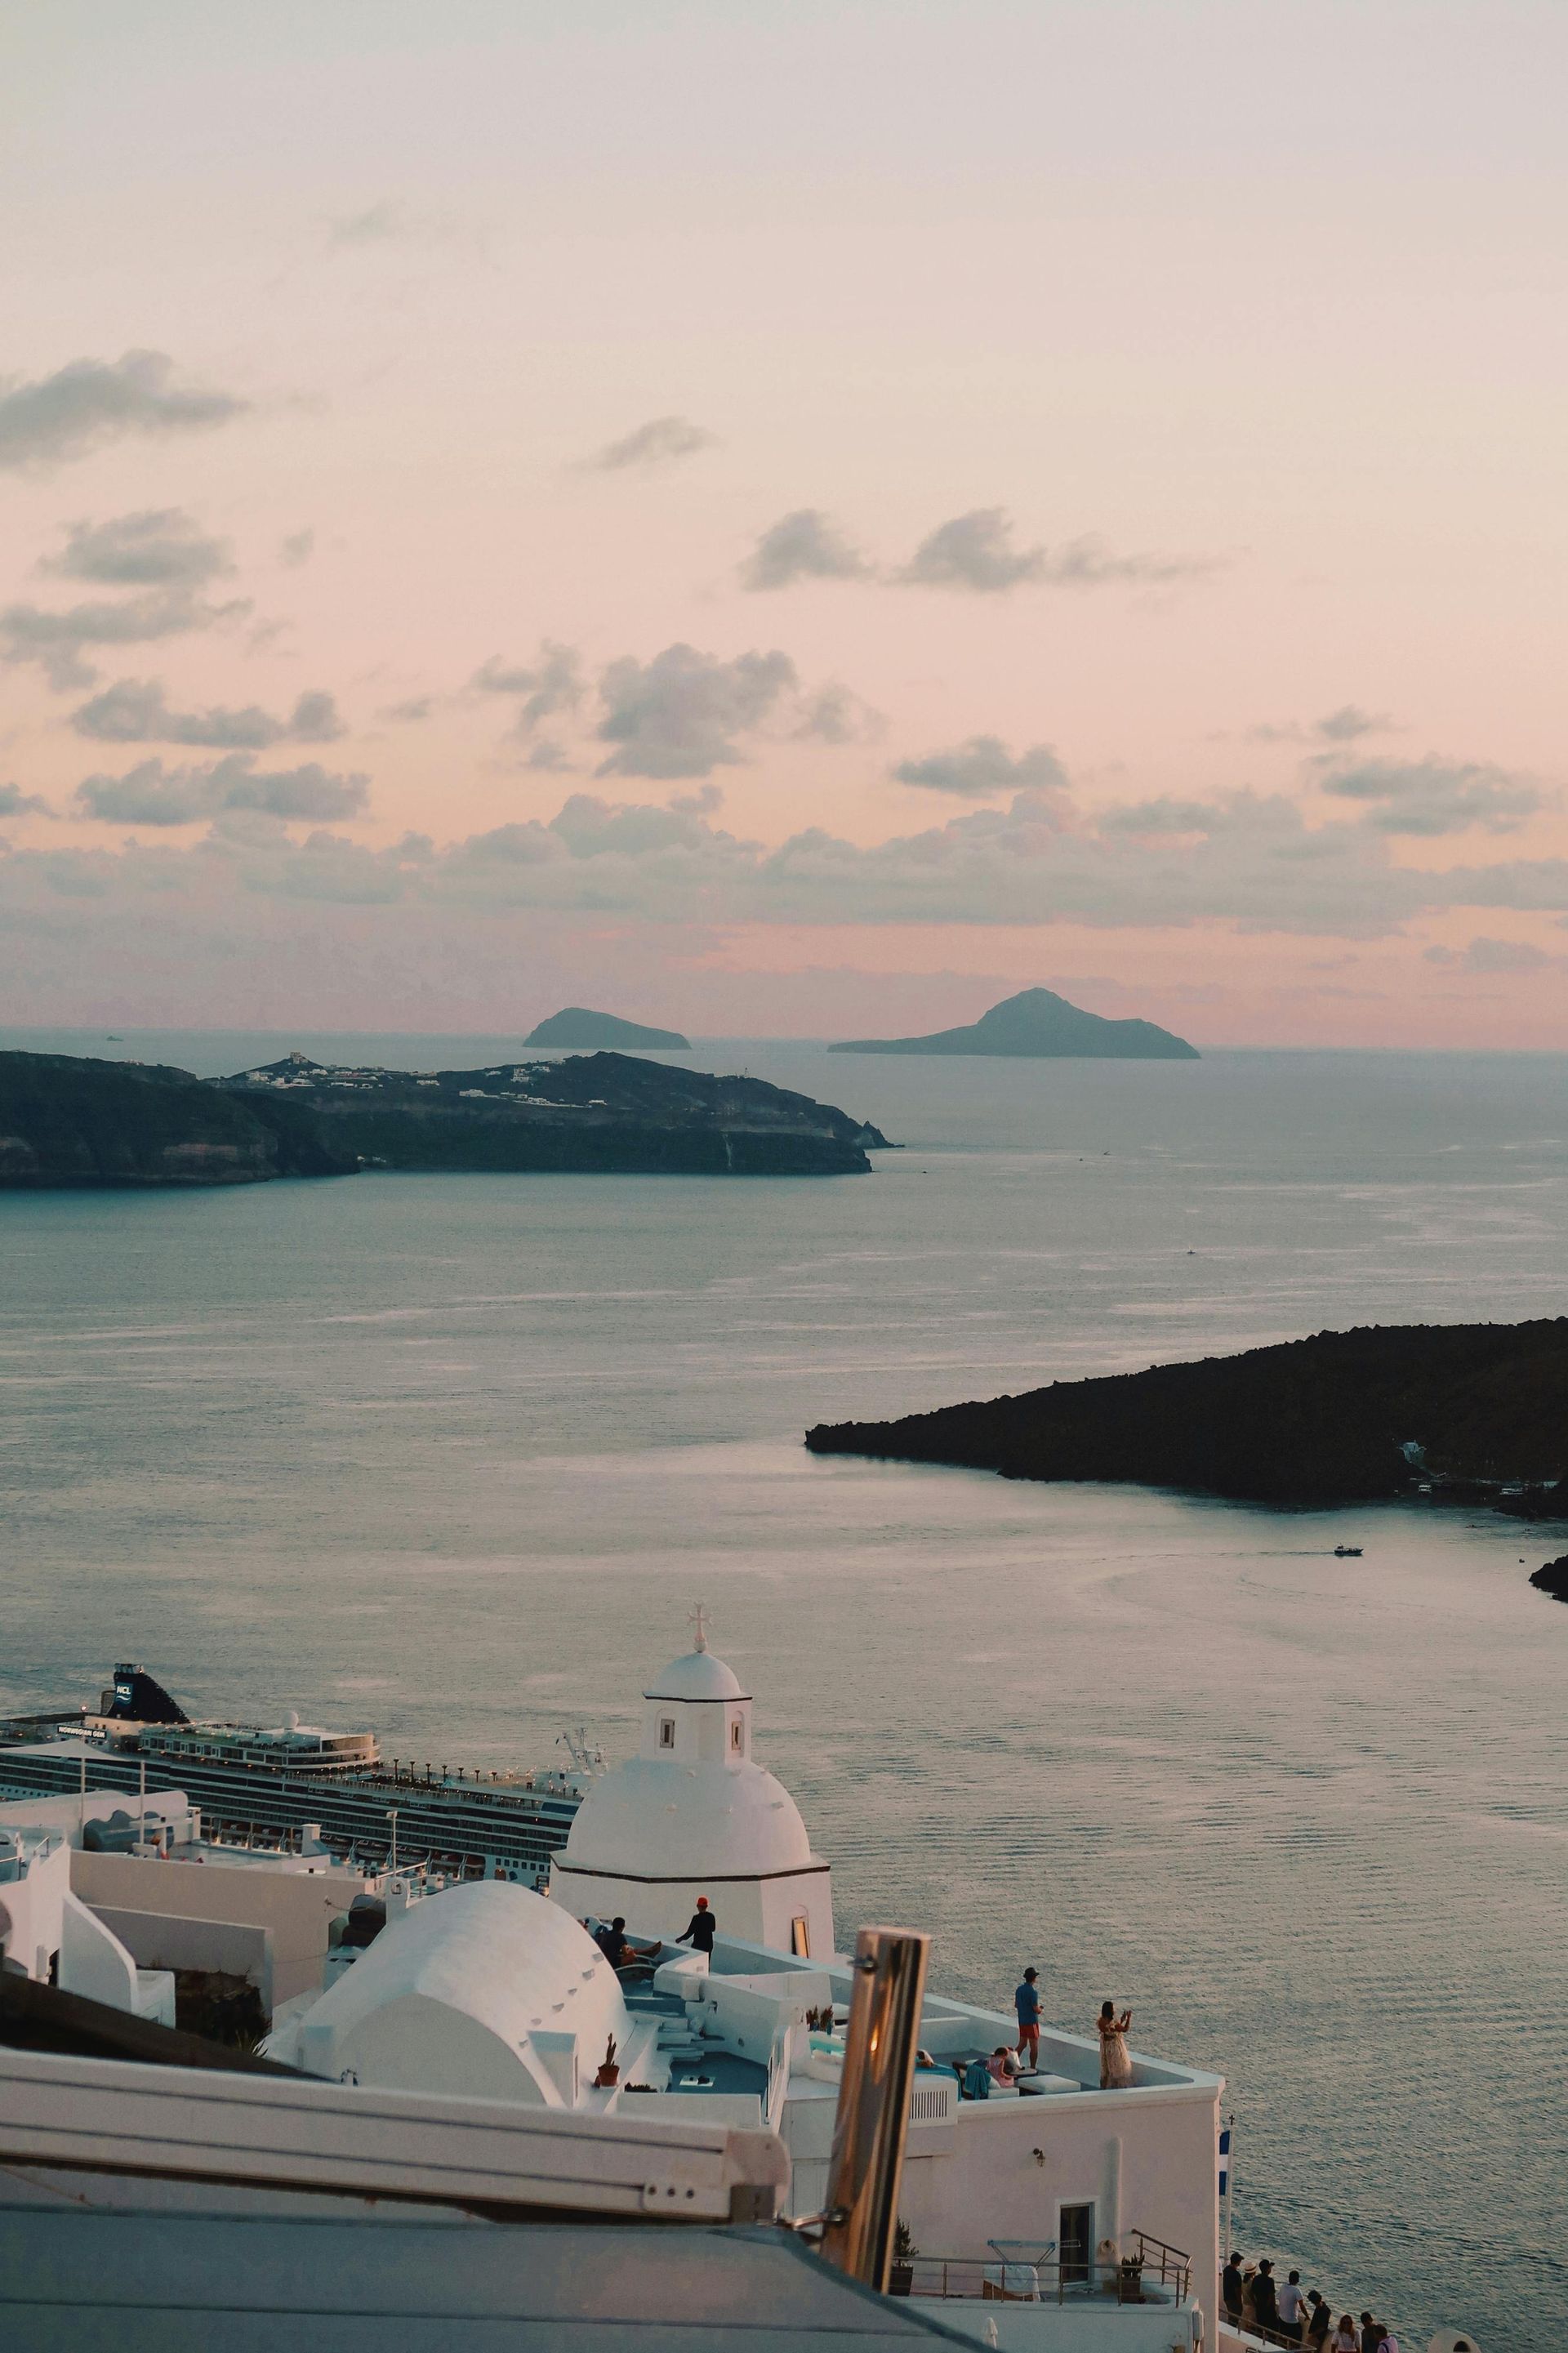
(755, 1911)
(160, 1940)
(297, 1907)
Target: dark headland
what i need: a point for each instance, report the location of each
(1472, 1413)
(577, 1025)
(69, 1121)
(1039, 1023)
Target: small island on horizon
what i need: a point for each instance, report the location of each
(578, 1026)
(1039, 1024)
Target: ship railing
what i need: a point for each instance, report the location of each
(1150, 2273)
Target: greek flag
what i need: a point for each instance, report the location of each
(1224, 2160)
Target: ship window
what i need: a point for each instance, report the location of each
(666, 1732)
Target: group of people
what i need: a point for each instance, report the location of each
(618, 1949)
(1291, 2315)
(1115, 2066)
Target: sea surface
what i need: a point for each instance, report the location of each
(454, 1456)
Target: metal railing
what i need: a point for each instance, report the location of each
(1156, 2273)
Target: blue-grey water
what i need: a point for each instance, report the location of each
(455, 1455)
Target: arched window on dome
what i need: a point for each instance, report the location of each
(737, 1736)
(666, 1732)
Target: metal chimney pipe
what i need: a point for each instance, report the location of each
(872, 2122)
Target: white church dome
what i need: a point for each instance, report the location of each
(650, 1819)
(699, 1675)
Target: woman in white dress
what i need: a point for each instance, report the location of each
(1115, 2067)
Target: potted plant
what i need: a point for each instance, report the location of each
(901, 2272)
(609, 2075)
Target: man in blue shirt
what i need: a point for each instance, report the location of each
(1026, 2001)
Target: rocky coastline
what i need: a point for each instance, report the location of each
(1474, 1414)
(69, 1121)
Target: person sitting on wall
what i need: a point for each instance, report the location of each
(701, 1929)
(620, 1950)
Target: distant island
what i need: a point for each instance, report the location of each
(68, 1121)
(1467, 1413)
(577, 1025)
(1039, 1023)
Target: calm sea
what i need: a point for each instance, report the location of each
(454, 1456)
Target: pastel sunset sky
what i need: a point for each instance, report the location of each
(786, 518)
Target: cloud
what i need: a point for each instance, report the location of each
(552, 684)
(1348, 724)
(419, 708)
(974, 551)
(58, 641)
(1485, 955)
(162, 547)
(983, 769)
(679, 714)
(297, 548)
(151, 794)
(1088, 563)
(660, 442)
(805, 545)
(1433, 796)
(15, 802)
(136, 710)
(53, 419)
(835, 714)
(977, 551)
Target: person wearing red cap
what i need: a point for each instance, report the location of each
(700, 1928)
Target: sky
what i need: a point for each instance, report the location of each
(785, 519)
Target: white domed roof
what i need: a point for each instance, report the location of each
(699, 1675)
(657, 1818)
(496, 1956)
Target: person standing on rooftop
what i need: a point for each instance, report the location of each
(1115, 2067)
(701, 1928)
(1026, 2001)
(1291, 2302)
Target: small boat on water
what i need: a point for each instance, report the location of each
(1347, 1552)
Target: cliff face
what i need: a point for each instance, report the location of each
(1343, 1417)
(67, 1120)
(594, 1112)
(1039, 1024)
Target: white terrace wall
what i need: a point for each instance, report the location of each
(297, 1907)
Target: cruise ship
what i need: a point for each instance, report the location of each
(278, 1784)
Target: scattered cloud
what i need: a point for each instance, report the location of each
(1088, 563)
(136, 710)
(1252, 862)
(162, 547)
(984, 769)
(15, 802)
(835, 713)
(49, 421)
(805, 545)
(411, 713)
(1433, 796)
(973, 550)
(552, 685)
(59, 641)
(151, 794)
(297, 548)
(660, 442)
(679, 715)
(1484, 956)
(388, 222)
(1348, 724)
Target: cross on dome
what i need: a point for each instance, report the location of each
(698, 1618)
